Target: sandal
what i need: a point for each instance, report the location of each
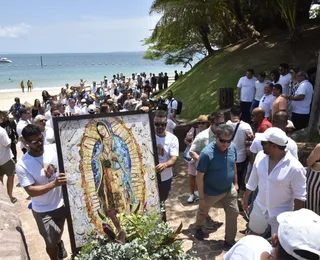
(13, 200)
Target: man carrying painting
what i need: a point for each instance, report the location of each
(38, 173)
(168, 152)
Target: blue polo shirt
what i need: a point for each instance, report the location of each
(218, 168)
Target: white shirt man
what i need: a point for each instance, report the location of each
(24, 121)
(284, 81)
(303, 106)
(168, 151)
(266, 103)
(259, 89)
(247, 86)
(281, 180)
(172, 105)
(72, 108)
(38, 173)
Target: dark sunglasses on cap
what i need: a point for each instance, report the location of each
(157, 124)
(225, 141)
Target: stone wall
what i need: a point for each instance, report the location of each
(12, 241)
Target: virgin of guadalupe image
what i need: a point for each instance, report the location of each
(111, 168)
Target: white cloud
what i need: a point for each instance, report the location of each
(14, 31)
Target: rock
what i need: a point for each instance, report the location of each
(12, 241)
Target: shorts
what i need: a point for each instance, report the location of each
(192, 169)
(50, 225)
(259, 221)
(9, 168)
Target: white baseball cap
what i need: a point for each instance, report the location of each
(275, 135)
(92, 108)
(299, 230)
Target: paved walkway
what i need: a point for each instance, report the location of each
(178, 210)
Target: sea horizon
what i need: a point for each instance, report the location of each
(60, 68)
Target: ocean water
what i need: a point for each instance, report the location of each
(59, 69)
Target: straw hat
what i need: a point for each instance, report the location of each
(203, 118)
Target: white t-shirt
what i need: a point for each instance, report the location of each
(247, 88)
(248, 248)
(84, 110)
(240, 138)
(5, 152)
(75, 110)
(167, 146)
(48, 115)
(172, 104)
(30, 171)
(266, 103)
(48, 135)
(256, 146)
(170, 126)
(284, 81)
(259, 89)
(21, 124)
(303, 106)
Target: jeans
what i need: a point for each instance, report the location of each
(255, 103)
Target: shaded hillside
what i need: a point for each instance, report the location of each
(199, 88)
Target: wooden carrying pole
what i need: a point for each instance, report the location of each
(315, 110)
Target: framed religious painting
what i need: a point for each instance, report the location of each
(110, 164)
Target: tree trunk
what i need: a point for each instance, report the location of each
(203, 30)
(315, 110)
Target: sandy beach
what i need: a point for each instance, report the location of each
(7, 98)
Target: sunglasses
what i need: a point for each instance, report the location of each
(160, 124)
(43, 120)
(225, 141)
(202, 123)
(40, 140)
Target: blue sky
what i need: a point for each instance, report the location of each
(37, 26)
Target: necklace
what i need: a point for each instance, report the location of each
(38, 162)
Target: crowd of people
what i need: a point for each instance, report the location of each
(246, 165)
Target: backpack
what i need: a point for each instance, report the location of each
(179, 107)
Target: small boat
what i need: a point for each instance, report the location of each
(5, 60)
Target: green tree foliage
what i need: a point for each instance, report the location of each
(189, 27)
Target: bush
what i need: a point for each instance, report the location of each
(138, 235)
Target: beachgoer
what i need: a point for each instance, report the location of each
(22, 86)
(217, 183)
(246, 90)
(165, 80)
(29, 85)
(267, 99)
(7, 164)
(38, 173)
(280, 103)
(15, 109)
(202, 124)
(281, 180)
(168, 152)
(176, 75)
(10, 126)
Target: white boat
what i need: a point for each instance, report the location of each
(5, 60)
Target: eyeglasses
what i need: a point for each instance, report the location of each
(225, 141)
(221, 123)
(40, 140)
(157, 124)
(263, 99)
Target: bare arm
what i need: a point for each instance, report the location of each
(239, 93)
(162, 166)
(298, 204)
(283, 105)
(235, 181)
(35, 191)
(194, 156)
(297, 98)
(199, 180)
(314, 156)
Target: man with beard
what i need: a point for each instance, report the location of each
(38, 173)
(281, 180)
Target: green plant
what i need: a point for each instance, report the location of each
(138, 235)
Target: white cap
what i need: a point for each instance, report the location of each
(290, 124)
(299, 230)
(275, 135)
(83, 100)
(92, 108)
